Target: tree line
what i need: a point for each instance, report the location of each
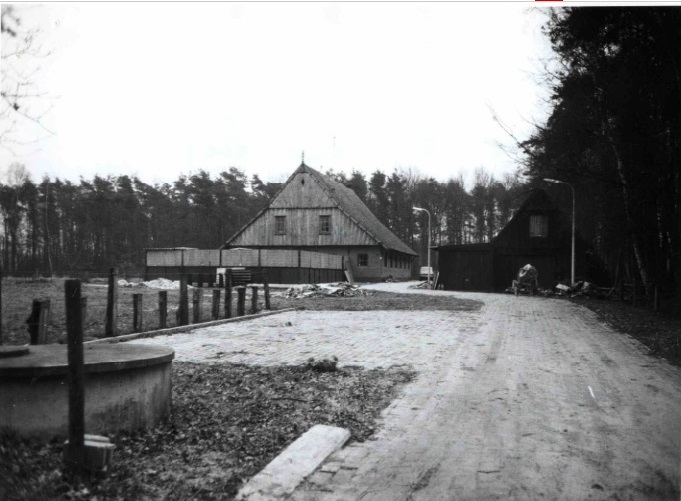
(614, 135)
(57, 226)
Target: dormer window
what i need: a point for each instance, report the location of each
(539, 226)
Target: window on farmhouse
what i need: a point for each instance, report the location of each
(362, 259)
(539, 226)
(280, 225)
(325, 224)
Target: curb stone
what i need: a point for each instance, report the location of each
(298, 461)
(185, 328)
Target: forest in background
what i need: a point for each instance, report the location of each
(56, 226)
(613, 137)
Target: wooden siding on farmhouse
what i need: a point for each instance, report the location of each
(302, 229)
(301, 191)
(302, 201)
(312, 211)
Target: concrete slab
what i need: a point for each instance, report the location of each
(298, 461)
(127, 387)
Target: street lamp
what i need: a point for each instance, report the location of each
(572, 269)
(426, 211)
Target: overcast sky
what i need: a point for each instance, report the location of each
(160, 89)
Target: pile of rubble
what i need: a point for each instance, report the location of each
(583, 288)
(580, 289)
(422, 285)
(340, 289)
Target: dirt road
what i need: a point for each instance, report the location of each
(532, 398)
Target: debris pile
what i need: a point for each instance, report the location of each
(422, 285)
(163, 283)
(326, 365)
(124, 283)
(340, 289)
(582, 288)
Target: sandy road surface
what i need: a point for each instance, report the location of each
(526, 398)
(534, 399)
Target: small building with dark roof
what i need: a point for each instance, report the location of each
(538, 234)
(313, 212)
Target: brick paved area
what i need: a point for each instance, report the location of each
(367, 338)
(527, 398)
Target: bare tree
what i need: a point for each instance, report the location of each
(23, 104)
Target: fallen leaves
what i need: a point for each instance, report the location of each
(658, 332)
(228, 422)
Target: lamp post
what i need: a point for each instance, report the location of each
(426, 211)
(572, 264)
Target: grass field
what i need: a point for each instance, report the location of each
(18, 296)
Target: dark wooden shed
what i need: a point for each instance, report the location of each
(538, 234)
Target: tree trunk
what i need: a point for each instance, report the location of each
(626, 193)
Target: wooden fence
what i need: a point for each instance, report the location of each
(283, 265)
(38, 321)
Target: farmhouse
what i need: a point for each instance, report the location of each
(538, 234)
(312, 212)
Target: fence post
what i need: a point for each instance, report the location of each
(37, 322)
(254, 299)
(656, 304)
(184, 302)
(162, 309)
(196, 305)
(241, 301)
(190, 279)
(111, 324)
(200, 279)
(83, 310)
(266, 288)
(74, 455)
(221, 281)
(137, 312)
(228, 294)
(216, 304)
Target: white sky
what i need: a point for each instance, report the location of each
(160, 89)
